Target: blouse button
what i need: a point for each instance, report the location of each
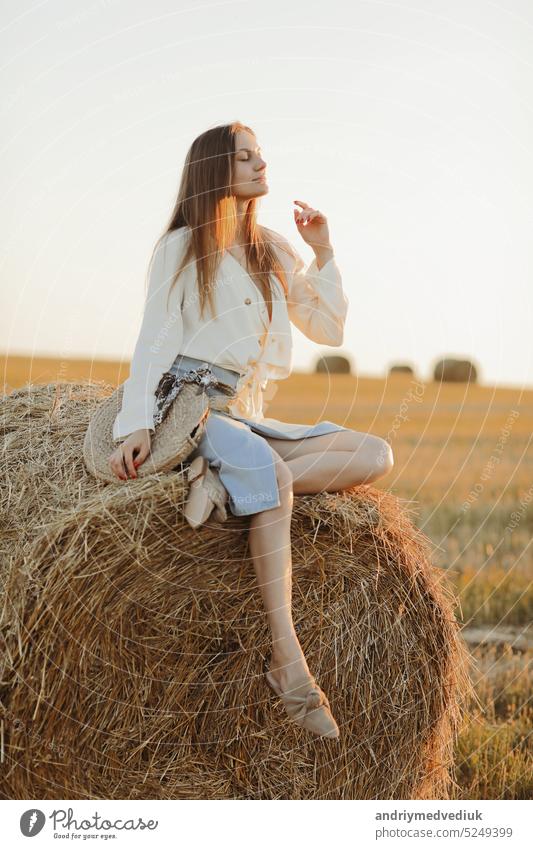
(248, 301)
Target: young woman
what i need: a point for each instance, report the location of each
(215, 253)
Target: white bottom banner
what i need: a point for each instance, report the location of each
(332, 823)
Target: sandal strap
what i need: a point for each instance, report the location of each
(215, 489)
(195, 478)
(299, 706)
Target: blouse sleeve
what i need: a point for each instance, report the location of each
(159, 339)
(316, 302)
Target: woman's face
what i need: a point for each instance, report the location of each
(248, 167)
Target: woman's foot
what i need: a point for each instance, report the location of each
(287, 673)
(288, 667)
(206, 492)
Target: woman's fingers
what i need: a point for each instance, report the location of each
(142, 455)
(117, 470)
(308, 215)
(128, 461)
(312, 215)
(300, 217)
(299, 214)
(116, 461)
(123, 463)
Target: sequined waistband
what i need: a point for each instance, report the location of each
(185, 362)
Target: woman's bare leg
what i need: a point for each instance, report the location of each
(331, 471)
(334, 462)
(329, 462)
(270, 548)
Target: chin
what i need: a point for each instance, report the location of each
(258, 191)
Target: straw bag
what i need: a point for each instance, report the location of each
(182, 409)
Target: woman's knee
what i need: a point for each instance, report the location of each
(372, 459)
(368, 448)
(383, 458)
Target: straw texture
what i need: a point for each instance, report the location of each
(133, 646)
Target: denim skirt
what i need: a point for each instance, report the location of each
(237, 449)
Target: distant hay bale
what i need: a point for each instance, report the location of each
(450, 370)
(133, 646)
(334, 364)
(401, 368)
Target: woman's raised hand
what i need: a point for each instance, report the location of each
(123, 462)
(312, 225)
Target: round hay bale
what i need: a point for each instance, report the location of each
(401, 368)
(133, 646)
(450, 370)
(334, 364)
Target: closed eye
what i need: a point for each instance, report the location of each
(259, 153)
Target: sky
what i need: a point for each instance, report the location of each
(407, 122)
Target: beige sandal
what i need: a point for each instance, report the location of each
(206, 492)
(306, 704)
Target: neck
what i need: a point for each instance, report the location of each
(240, 209)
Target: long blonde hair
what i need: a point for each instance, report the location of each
(206, 205)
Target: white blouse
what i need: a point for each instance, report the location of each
(238, 337)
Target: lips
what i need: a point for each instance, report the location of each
(262, 178)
